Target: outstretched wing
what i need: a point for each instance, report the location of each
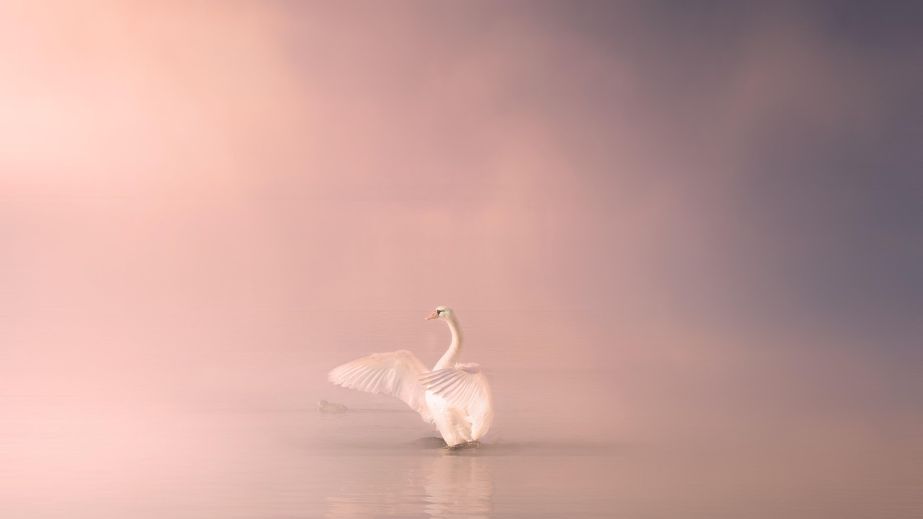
(396, 374)
(464, 386)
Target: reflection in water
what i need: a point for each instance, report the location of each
(458, 486)
(445, 484)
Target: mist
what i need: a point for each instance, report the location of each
(674, 234)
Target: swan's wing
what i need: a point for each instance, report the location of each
(396, 374)
(464, 386)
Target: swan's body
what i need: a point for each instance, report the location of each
(455, 397)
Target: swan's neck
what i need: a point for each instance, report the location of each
(451, 355)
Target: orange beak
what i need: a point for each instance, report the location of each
(432, 316)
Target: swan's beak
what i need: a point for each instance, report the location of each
(432, 316)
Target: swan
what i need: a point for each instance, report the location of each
(453, 396)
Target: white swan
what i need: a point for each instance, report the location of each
(454, 397)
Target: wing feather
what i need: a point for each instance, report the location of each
(395, 374)
(464, 386)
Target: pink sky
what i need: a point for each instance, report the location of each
(250, 193)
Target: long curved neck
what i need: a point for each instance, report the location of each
(449, 357)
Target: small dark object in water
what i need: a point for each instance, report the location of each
(466, 445)
(331, 407)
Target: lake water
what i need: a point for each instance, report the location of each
(259, 458)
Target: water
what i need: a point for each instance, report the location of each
(230, 458)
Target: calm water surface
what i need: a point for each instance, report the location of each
(70, 458)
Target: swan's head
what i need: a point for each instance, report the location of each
(441, 312)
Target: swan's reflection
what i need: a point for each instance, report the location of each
(458, 486)
(441, 484)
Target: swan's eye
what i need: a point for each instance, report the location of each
(438, 312)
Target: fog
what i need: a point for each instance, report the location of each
(684, 243)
